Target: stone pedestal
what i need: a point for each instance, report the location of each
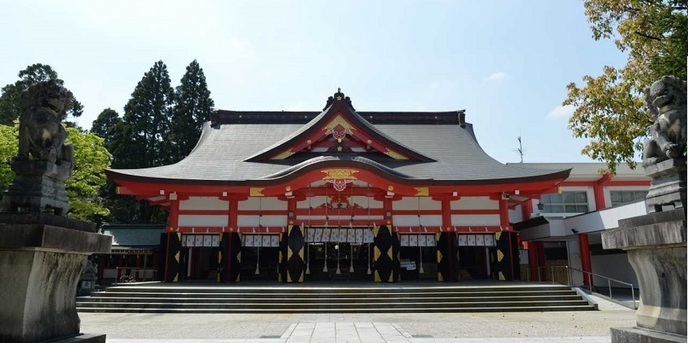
(656, 247)
(40, 264)
(39, 186)
(668, 186)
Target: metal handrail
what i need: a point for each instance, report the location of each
(589, 276)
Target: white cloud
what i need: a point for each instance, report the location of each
(498, 76)
(560, 111)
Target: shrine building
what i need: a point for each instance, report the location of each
(338, 195)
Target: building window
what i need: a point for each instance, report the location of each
(625, 197)
(566, 202)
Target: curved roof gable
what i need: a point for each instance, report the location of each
(339, 124)
(356, 161)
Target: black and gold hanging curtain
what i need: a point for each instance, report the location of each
(229, 257)
(291, 256)
(447, 263)
(506, 259)
(385, 255)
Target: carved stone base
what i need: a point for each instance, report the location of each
(40, 267)
(38, 187)
(640, 335)
(668, 185)
(656, 246)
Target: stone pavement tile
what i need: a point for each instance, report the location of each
(583, 339)
(414, 327)
(289, 331)
(402, 331)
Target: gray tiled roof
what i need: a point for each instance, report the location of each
(220, 155)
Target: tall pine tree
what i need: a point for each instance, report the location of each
(192, 108)
(145, 139)
(147, 118)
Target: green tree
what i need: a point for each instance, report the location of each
(192, 108)
(11, 94)
(609, 108)
(146, 122)
(8, 149)
(144, 141)
(109, 126)
(90, 160)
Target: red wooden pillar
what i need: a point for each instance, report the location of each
(527, 209)
(291, 211)
(233, 218)
(536, 259)
(446, 214)
(586, 264)
(173, 219)
(452, 260)
(598, 190)
(233, 227)
(532, 260)
(599, 196)
(503, 214)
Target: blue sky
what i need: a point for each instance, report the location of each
(505, 62)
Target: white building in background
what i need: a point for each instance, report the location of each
(564, 226)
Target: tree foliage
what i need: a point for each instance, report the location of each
(9, 145)
(109, 126)
(90, 160)
(146, 120)
(609, 108)
(192, 108)
(159, 126)
(10, 97)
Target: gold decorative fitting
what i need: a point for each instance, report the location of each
(256, 191)
(309, 141)
(338, 121)
(390, 188)
(422, 191)
(288, 188)
(368, 141)
(339, 174)
(339, 178)
(283, 155)
(395, 155)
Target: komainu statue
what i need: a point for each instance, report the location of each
(664, 153)
(43, 162)
(41, 135)
(666, 100)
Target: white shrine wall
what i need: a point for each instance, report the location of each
(203, 220)
(475, 203)
(262, 204)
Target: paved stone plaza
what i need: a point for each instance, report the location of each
(587, 327)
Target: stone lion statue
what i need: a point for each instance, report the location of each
(41, 134)
(666, 100)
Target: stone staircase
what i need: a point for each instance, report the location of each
(167, 298)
